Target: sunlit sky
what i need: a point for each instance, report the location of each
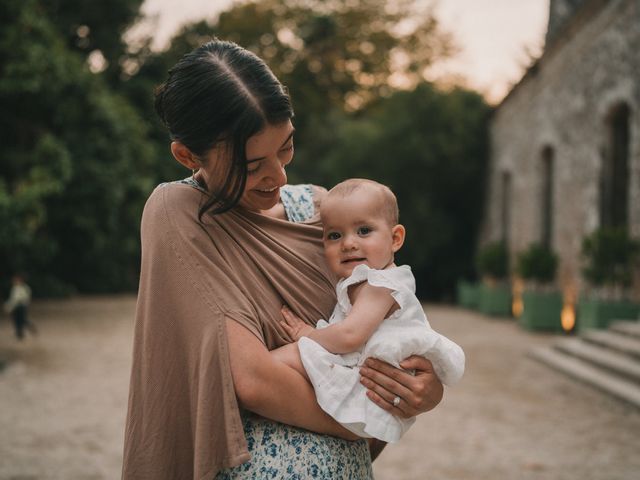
(496, 37)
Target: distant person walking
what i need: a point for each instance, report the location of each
(18, 306)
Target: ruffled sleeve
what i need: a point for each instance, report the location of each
(399, 280)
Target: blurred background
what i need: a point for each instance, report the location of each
(508, 130)
(400, 91)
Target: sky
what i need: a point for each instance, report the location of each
(496, 38)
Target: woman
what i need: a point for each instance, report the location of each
(221, 253)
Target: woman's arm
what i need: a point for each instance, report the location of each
(272, 389)
(290, 355)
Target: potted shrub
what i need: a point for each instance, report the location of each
(468, 294)
(495, 294)
(609, 254)
(542, 302)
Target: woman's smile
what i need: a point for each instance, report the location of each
(271, 195)
(268, 153)
(267, 190)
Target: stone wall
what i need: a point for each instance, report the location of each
(559, 12)
(563, 102)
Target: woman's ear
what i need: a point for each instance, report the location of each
(397, 237)
(183, 155)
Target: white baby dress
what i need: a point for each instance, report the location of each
(336, 378)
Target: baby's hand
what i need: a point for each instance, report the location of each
(293, 325)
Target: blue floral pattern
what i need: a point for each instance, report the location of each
(284, 452)
(188, 181)
(298, 202)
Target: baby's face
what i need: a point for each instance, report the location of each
(355, 232)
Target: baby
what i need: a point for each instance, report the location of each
(377, 314)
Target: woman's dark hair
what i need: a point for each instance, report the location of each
(221, 93)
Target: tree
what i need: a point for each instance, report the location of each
(94, 28)
(73, 164)
(344, 52)
(430, 147)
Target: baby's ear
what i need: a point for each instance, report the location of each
(397, 237)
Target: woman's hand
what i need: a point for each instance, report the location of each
(417, 393)
(293, 325)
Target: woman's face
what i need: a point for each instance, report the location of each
(268, 153)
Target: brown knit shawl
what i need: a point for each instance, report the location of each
(183, 420)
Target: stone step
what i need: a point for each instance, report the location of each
(621, 364)
(627, 327)
(614, 341)
(590, 374)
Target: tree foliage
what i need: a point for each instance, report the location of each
(73, 163)
(429, 146)
(538, 263)
(346, 53)
(84, 149)
(493, 261)
(610, 254)
(88, 27)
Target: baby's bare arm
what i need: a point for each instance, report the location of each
(370, 307)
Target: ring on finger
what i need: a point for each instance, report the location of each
(396, 401)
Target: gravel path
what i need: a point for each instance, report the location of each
(63, 399)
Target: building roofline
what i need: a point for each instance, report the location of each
(566, 32)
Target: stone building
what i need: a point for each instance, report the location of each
(565, 141)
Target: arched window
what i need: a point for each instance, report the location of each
(614, 181)
(546, 207)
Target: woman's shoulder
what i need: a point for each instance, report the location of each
(172, 200)
(180, 184)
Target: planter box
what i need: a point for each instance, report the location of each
(599, 313)
(541, 311)
(495, 300)
(468, 294)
